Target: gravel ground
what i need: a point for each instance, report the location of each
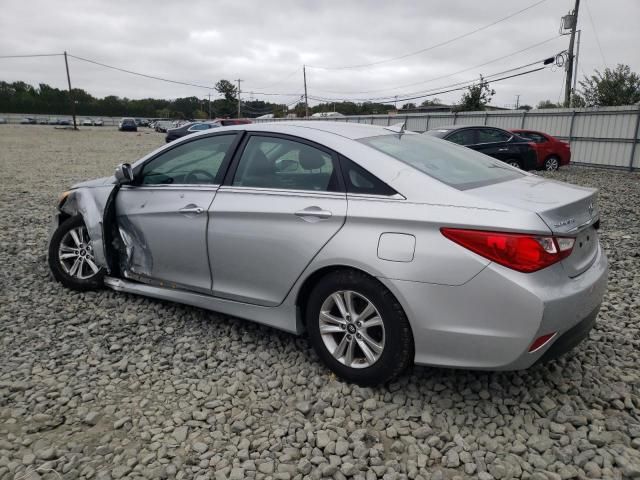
(106, 386)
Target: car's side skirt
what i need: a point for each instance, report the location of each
(282, 317)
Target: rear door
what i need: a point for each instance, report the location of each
(282, 201)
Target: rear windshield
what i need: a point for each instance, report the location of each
(457, 166)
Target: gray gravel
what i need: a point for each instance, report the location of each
(105, 386)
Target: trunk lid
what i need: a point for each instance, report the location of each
(568, 210)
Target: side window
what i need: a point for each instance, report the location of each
(271, 162)
(358, 180)
(462, 137)
(195, 162)
(537, 138)
(491, 135)
(199, 126)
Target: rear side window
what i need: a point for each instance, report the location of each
(535, 137)
(360, 181)
(279, 163)
(447, 162)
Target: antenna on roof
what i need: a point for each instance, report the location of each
(396, 127)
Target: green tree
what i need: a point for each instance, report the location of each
(408, 106)
(431, 103)
(476, 97)
(548, 104)
(619, 86)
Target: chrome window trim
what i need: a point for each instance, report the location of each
(371, 196)
(174, 186)
(281, 191)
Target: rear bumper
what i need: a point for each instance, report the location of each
(571, 338)
(490, 322)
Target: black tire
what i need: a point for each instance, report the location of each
(514, 163)
(552, 164)
(398, 351)
(93, 282)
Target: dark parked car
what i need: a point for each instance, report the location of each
(495, 142)
(128, 124)
(28, 121)
(552, 153)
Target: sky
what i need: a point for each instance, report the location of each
(266, 43)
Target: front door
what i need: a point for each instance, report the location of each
(282, 202)
(163, 217)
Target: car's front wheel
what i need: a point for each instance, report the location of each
(71, 258)
(358, 328)
(552, 164)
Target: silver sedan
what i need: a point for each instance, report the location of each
(385, 247)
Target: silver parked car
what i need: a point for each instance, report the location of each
(386, 247)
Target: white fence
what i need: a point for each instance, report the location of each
(606, 136)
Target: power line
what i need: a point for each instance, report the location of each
(432, 47)
(450, 90)
(450, 74)
(141, 74)
(33, 55)
(465, 83)
(595, 31)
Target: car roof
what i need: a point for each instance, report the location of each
(353, 131)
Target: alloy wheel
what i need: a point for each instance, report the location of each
(551, 164)
(514, 163)
(76, 254)
(352, 329)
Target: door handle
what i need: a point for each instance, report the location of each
(504, 149)
(314, 212)
(191, 208)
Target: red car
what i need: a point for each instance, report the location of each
(552, 153)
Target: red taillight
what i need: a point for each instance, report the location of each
(522, 252)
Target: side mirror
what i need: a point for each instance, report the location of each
(124, 174)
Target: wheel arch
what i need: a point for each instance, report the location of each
(303, 293)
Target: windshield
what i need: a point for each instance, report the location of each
(457, 166)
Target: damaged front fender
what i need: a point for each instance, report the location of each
(93, 204)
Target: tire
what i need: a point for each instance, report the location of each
(392, 350)
(78, 270)
(513, 162)
(552, 164)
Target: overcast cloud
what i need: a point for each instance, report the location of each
(265, 43)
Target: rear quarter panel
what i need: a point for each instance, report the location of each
(435, 259)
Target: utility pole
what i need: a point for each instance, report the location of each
(239, 80)
(569, 78)
(575, 69)
(517, 101)
(73, 103)
(209, 105)
(306, 98)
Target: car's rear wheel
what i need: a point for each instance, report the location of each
(358, 328)
(514, 163)
(552, 164)
(71, 258)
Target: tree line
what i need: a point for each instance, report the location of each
(618, 86)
